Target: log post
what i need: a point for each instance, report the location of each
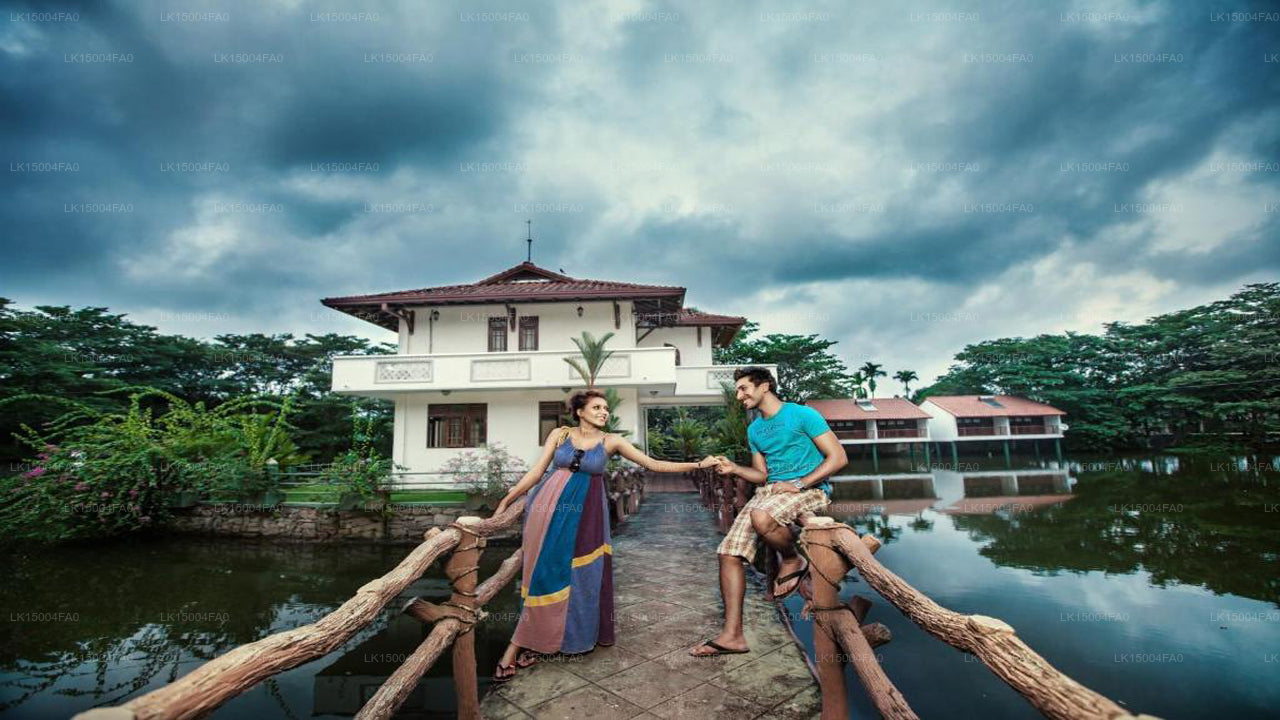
(833, 621)
(462, 568)
(827, 570)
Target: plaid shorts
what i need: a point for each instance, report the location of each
(784, 507)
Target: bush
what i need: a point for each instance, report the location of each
(102, 473)
(487, 473)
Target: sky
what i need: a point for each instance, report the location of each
(903, 177)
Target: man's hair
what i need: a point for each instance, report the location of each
(757, 376)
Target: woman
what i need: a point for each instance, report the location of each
(567, 580)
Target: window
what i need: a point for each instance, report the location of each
(456, 426)
(497, 334)
(549, 417)
(529, 332)
(990, 400)
(866, 405)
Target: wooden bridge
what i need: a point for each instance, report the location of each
(667, 599)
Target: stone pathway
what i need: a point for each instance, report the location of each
(667, 598)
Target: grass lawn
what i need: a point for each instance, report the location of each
(322, 493)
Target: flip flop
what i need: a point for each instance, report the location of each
(798, 576)
(719, 650)
(526, 658)
(503, 668)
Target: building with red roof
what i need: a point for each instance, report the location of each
(484, 362)
(874, 420)
(991, 417)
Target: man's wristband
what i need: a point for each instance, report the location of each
(799, 484)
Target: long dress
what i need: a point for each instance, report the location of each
(566, 585)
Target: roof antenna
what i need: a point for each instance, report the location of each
(529, 257)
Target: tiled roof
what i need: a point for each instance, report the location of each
(525, 282)
(886, 409)
(973, 406)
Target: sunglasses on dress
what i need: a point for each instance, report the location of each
(577, 459)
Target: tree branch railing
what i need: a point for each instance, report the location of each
(833, 548)
(211, 685)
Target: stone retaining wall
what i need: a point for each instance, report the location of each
(320, 524)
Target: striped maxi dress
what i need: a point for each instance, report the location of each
(566, 584)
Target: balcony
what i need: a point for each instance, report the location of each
(1029, 430)
(388, 375)
(651, 368)
(972, 430)
(851, 434)
(885, 433)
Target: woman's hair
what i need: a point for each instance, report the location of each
(580, 400)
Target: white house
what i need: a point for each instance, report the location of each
(961, 418)
(484, 362)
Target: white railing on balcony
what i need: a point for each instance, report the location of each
(532, 369)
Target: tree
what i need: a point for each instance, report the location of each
(906, 377)
(871, 371)
(806, 367)
(593, 357)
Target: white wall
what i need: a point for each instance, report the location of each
(942, 424)
(465, 328)
(686, 340)
(512, 419)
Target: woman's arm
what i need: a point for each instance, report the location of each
(618, 444)
(535, 473)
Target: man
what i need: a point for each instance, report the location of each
(792, 454)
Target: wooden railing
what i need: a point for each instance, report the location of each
(1030, 430)
(209, 686)
(976, 430)
(851, 434)
(840, 635)
(899, 432)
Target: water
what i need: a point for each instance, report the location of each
(93, 625)
(1152, 580)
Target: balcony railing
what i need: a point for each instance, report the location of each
(851, 434)
(977, 430)
(1030, 430)
(884, 433)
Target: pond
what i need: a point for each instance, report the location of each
(1154, 580)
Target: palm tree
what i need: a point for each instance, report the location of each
(906, 377)
(858, 379)
(593, 357)
(872, 371)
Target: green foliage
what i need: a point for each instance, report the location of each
(593, 356)
(487, 473)
(729, 434)
(1211, 370)
(806, 367)
(79, 354)
(362, 474)
(101, 473)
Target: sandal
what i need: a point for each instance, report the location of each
(501, 675)
(527, 658)
(719, 649)
(798, 576)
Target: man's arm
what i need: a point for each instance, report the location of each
(758, 473)
(833, 459)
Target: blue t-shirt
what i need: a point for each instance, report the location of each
(786, 441)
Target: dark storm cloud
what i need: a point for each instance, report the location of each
(717, 95)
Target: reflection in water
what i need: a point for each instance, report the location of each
(95, 625)
(1096, 563)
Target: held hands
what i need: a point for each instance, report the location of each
(707, 462)
(724, 466)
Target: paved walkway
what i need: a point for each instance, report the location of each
(667, 597)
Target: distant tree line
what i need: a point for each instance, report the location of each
(1206, 377)
(77, 355)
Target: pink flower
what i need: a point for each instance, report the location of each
(105, 494)
(133, 492)
(34, 472)
(82, 486)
